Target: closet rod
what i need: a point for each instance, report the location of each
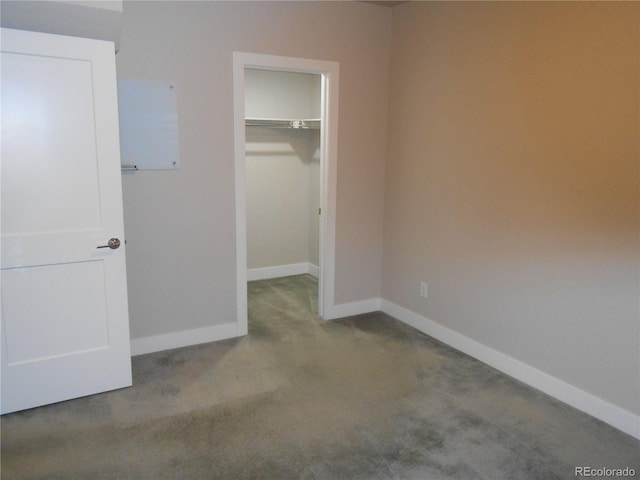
(282, 123)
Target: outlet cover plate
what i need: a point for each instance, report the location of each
(424, 290)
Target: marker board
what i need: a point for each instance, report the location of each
(148, 112)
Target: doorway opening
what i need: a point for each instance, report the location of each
(246, 67)
(282, 158)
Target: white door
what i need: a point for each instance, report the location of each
(65, 323)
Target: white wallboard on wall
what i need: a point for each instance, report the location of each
(148, 124)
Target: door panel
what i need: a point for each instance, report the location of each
(38, 299)
(65, 325)
(48, 109)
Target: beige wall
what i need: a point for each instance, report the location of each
(279, 195)
(512, 182)
(180, 224)
(314, 199)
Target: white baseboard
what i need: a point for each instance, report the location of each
(314, 270)
(353, 308)
(282, 271)
(565, 392)
(185, 338)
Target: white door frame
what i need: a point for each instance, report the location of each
(328, 171)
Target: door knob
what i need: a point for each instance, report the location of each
(113, 243)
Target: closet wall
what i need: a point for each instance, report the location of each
(283, 174)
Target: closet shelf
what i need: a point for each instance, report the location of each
(306, 124)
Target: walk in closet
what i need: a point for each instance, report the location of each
(282, 121)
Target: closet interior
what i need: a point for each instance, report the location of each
(282, 121)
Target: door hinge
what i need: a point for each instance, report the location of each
(319, 211)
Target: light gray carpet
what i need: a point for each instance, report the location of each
(361, 398)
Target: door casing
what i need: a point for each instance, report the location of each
(329, 72)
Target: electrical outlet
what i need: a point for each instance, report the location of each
(424, 290)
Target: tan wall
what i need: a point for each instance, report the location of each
(512, 182)
(180, 224)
